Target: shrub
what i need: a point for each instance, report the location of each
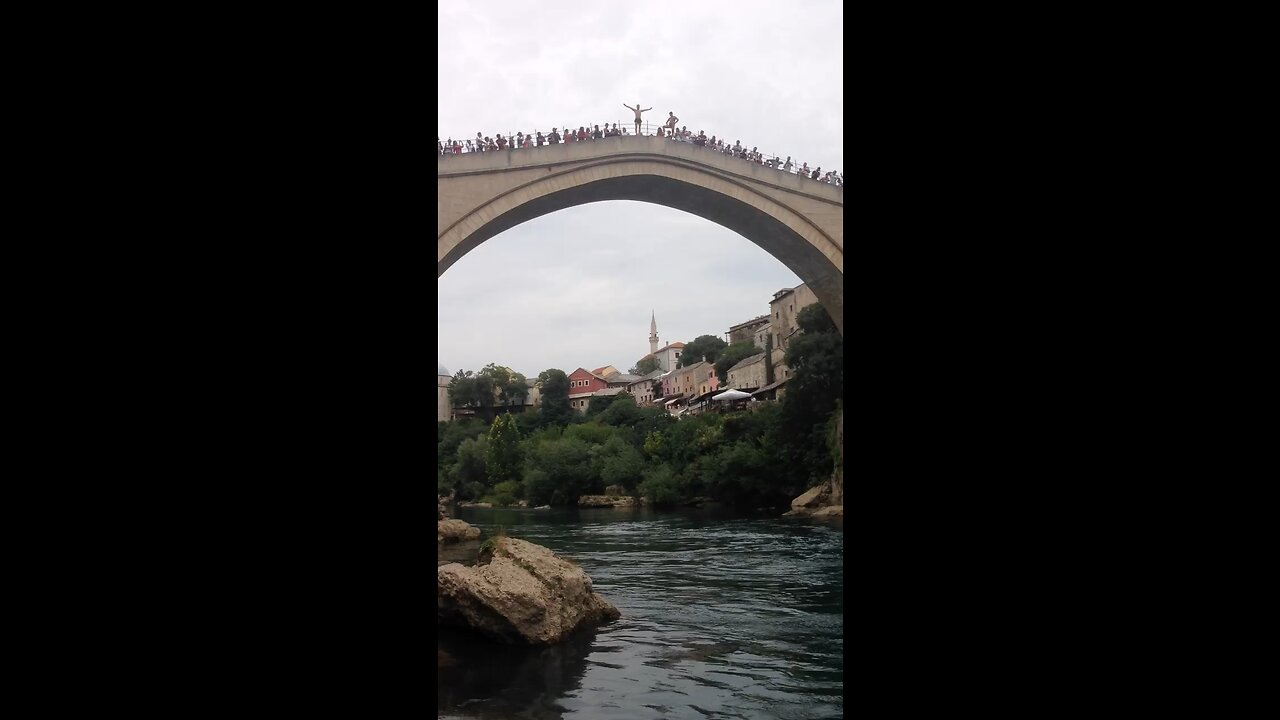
(660, 486)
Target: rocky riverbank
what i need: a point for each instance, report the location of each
(825, 500)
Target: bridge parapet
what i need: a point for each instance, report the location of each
(553, 155)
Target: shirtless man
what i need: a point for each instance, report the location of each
(671, 121)
(637, 111)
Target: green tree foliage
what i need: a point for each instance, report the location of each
(708, 345)
(452, 434)
(590, 433)
(554, 385)
(622, 412)
(816, 359)
(529, 420)
(660, 486)
(764, 457)
(815, 320)
(733, 355)
(510, 386)
(617, 462)
(737, 474)
(467, 389)
(645, 366)
(600, 402)
(505, 493)
(503, 461)
(468, 473)
(559, 472)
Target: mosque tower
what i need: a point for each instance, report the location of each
(653, 333)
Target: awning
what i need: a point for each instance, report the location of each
(703, 396)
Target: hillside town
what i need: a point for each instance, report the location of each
(677, 388)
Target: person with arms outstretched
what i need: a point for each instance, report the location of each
(637, 111)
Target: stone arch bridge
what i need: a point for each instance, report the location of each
(796, 220)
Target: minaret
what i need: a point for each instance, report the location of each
(653, 334)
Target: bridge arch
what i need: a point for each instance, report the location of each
(798, 221)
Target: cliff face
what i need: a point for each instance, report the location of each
(837, 477)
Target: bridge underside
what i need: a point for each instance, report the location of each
(780, 241)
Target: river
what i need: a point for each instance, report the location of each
(723, 616)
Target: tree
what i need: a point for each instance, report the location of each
(468, 473)
(816, 359)
(468, 389)
(733, 355)
(815, 320)
(509, 385)
(646, 365)
(453, 435)
(554, 385)
(617, 463)
(660, 486)
(708, 345)
(559, 472)
(621, 412)
(503, 456)
(600, 402)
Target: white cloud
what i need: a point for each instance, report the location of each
(575, 288)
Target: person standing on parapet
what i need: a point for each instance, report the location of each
(637, 111)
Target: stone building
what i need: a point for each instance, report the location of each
(647, 389)
(747, 375)
(444, 411)
(784, 307)
(753, 331)
(691, 380)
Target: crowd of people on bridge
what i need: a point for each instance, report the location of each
(669, 130)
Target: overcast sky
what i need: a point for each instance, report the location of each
(575, 288)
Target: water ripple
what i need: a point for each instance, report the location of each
(722, 617)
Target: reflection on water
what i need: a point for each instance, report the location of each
(723, 616)
(484, 680)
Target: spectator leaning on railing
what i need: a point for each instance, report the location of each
(592, 132)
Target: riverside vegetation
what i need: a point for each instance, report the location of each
(553, 455)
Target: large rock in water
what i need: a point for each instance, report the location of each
(448, 531)
(525, 594)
